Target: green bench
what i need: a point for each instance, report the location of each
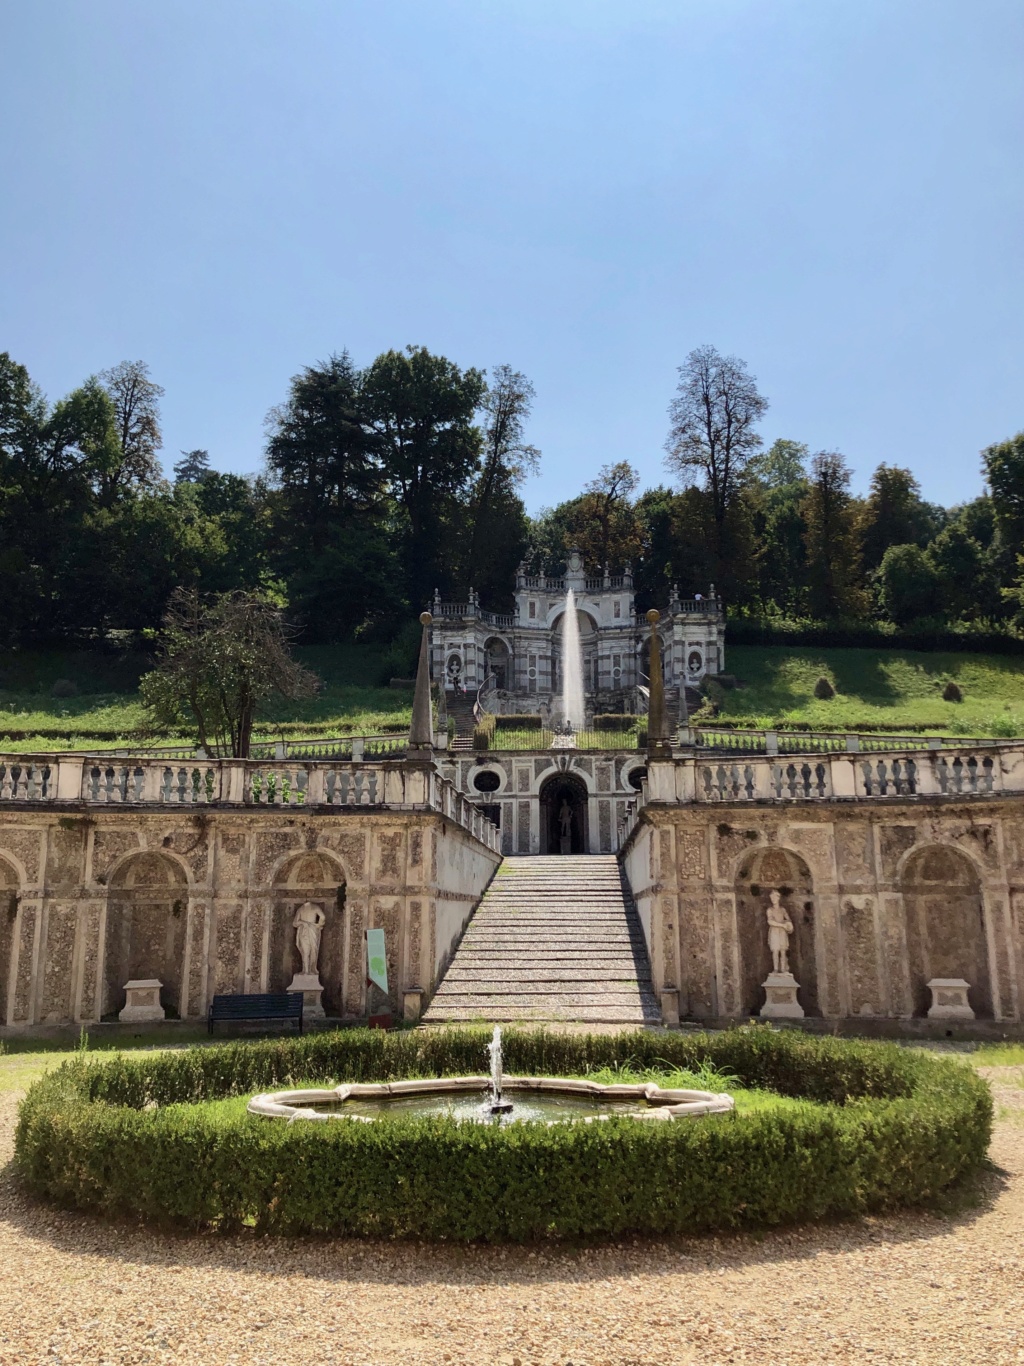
(266, 1005)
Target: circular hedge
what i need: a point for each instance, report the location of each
(125, 1136)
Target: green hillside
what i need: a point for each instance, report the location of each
(887, 690)
(883, 690)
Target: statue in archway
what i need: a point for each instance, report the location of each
(308, 924)
(780, 927)
(565, 819)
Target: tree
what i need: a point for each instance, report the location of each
(606, 501)
(136, 399)
(221, 658)
(421, 409)
(1003, 466)
(714, 415)
(833, 552)
(498, 525)
(783, 464)
(895, 514)
(908, 585)
(193, 467)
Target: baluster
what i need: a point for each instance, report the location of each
(868, 783)
(776, 779)
(272, 797)
(181, 786)
(972, 774)
(31, 786)
(357, 787)
(302, 786)
(911, 777)
(748, 782)
(373, 787)
(897, 777)
(138, 779)
(958, 774)
(988, 774)
(705, 775)
(108, 785)
(819, 774)
(791, 779)
(942, 773)
(330, 785)
(719, 782)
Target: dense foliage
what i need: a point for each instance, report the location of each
(125, 1136)
(384, 483)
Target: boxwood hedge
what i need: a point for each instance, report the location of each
(124, 1136)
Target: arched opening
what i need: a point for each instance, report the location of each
(309, 877)
(564, 827)
(8, 920)
(765, 871)
(499, 663)
(945, 927)
(147, 917)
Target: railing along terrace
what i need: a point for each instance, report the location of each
(145, 781)
(823, 742)
(318, 747)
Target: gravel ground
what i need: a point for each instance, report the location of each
(913, 1288)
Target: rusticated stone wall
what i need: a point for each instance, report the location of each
(204, 899)
(883, 896)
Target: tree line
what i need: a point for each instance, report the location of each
(381, 484)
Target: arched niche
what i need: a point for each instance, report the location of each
(570, 789)
(9, 885)
(309, 877)
(147, 915)
(499, 662)
(764, 871)
(945, 920)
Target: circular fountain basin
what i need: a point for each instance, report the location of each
(550, 1100)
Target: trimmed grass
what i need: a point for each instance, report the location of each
(899, 691)
(883, 690)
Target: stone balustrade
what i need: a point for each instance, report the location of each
(967, 772)
(143, 781)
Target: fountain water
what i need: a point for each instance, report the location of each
(573, 705)
(496, 1106)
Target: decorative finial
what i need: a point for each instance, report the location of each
(653, 616)
(426, 619)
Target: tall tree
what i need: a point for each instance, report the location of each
(833, 551)
(607, 503)
(421, 409)
(221, 659)
(136, 399)
(894, 514)
(783, 464)
(193, 467)
(713, 435)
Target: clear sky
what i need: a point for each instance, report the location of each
(587, 190)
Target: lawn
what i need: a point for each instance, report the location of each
(882, 690)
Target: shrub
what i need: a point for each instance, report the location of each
(64, 687)
(823, 689)
(726, 681)
(527, 721)
(481, 738)
(123, 1136)
(952, 693)
(614, 720)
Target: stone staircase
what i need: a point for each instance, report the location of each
(459, 707)
(554, 938)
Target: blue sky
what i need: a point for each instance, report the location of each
(587, 190)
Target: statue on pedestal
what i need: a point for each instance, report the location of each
(308, 923)
(780, 927)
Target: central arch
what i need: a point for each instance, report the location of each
(568, 790)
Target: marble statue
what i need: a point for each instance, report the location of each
(780, 927)
(309, 922)
(565, 819)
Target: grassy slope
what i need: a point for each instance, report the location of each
(890, 690)
(894, 690)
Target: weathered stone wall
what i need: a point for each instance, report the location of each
(204, 900)
(883, 896)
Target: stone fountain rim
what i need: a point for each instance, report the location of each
(664, 1103)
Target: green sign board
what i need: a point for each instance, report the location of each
(376, 961)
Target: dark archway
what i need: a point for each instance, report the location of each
(775, 870)
(567, 789)
(147, 916)
(8, 921)
(309, 877)
(945, 926)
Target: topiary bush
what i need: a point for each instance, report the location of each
(823, 689)
(526, 721)
(125, 1136)
(64, 687)
(614, 721)
(952, 693)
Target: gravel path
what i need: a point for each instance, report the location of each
(914, 1288)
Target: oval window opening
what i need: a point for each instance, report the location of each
(487, 782)
(637, 778)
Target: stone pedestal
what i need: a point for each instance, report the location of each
(311, 987)
(565, 844)
(670, 1006)
(142, 1001)
(780, 1002)
(412, 1003)
(949, 999)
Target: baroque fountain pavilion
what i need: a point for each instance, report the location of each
(715, 874)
